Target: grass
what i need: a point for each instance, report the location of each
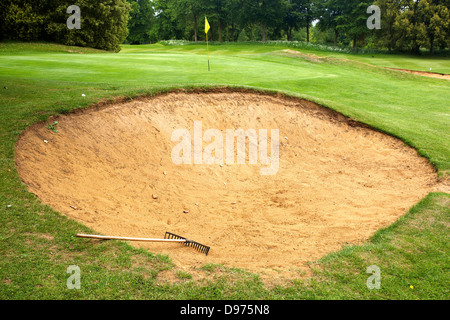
(425, 62)
(38, 245)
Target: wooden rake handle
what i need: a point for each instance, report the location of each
(94, 236)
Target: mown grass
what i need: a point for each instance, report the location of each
(38, 244)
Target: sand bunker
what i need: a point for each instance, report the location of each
(337, 182)
(425, 73)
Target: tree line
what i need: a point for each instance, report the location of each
(406, 25)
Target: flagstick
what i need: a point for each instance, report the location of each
(207, 50)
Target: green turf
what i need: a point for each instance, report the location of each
(44, 79)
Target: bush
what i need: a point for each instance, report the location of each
(103, 22)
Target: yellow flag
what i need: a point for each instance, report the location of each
(206, 32)
(206, 25)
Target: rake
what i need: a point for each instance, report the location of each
(168, 237)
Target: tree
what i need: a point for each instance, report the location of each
(217, 10)
(249, 15)
(267, 13)
(423, 23)
(306, 12)
(352, 20)
(23, 20)
(327, 12)
(234, 15)
(386, 37)
(441, 24)
(141, 21)
(192, 8)
(103, 22)
(436, 20)
(300, 14)
(166, 25)
(291, 21)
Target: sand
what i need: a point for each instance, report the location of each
(338, 181)
(317, 59)
(425, 73)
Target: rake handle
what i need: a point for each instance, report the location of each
(94, 236)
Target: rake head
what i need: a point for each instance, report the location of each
(190, 243)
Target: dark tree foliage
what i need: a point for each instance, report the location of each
(103, 22)
(407, 25)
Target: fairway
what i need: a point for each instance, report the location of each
(364, 169)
